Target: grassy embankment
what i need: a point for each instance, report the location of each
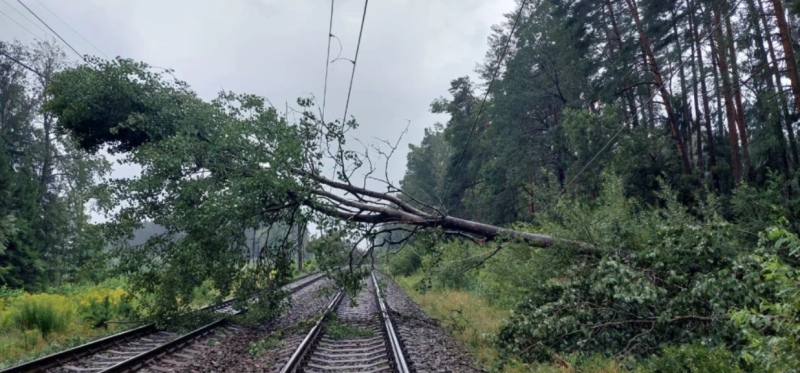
(33, 325)
(473, 321)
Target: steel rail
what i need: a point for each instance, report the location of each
(394, 341)
(146, 357)
(75, 353)
(304, 346)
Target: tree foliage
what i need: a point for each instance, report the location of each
(45, 182)
(211, 171)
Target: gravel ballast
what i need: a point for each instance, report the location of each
(428, 346)
(233, 354)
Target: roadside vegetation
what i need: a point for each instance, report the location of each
(623, 196)
(675, 290)
(40, 323)
(35, 324)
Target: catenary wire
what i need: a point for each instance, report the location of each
(51, 30)
(355, 60)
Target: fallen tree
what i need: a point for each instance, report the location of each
(211, 170)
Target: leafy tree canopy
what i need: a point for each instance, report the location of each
(212, 170)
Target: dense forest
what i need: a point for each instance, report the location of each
(623, 176)
(46, 183)
(703, 94)
(662, 133)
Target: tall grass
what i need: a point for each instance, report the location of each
(474, 321)
(36, 324)
(41, 314)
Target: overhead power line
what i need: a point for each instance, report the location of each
(51, 29)
(20, 63)
(327, 64)
(355, 60)
(70, 27)
(44, 32)
(18, 24)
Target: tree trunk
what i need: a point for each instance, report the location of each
(733, 137)
(673, 125)
(648, 99)
(697, 126)
(712, 154)
(339, 207)
(717, 84)
(788, 51)
(46, 174)
(789, 119)
(629, 93)
(737, 95)
(300, 233)
(766, 77)
(687, 114)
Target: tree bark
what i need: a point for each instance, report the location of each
(300, 233)
(733, 137)
(362, 210)
(717, 91)
(766, 76)
(696, 99)
(687, 114)
(712, 154)
(788, 51)
(629, 93)
(791, 66)
(673, 125)
(737, 95)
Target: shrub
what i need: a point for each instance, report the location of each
(452, 265)
(693, 359)
(772, 329)
(653, 277)
(41, 314)
(98, 313)
(405, 262)
(205, 294)
(756, 209)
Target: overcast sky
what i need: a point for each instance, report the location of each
(410, 50)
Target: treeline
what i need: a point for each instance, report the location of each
(660, 134)
(702, 93)
(45, 182)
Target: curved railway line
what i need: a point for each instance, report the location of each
(375, 348)
(140, 347)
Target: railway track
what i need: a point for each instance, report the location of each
(138, 348)
(351, 339)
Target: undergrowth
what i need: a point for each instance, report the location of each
(474, 322)
(35, 324)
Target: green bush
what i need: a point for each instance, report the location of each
(452, 265)
(756, 209)
(205, 293)
(404, 262)
(692, 359)
(654, 277)
(40, 314)
(772, 329)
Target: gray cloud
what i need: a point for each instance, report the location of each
(410, 50)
